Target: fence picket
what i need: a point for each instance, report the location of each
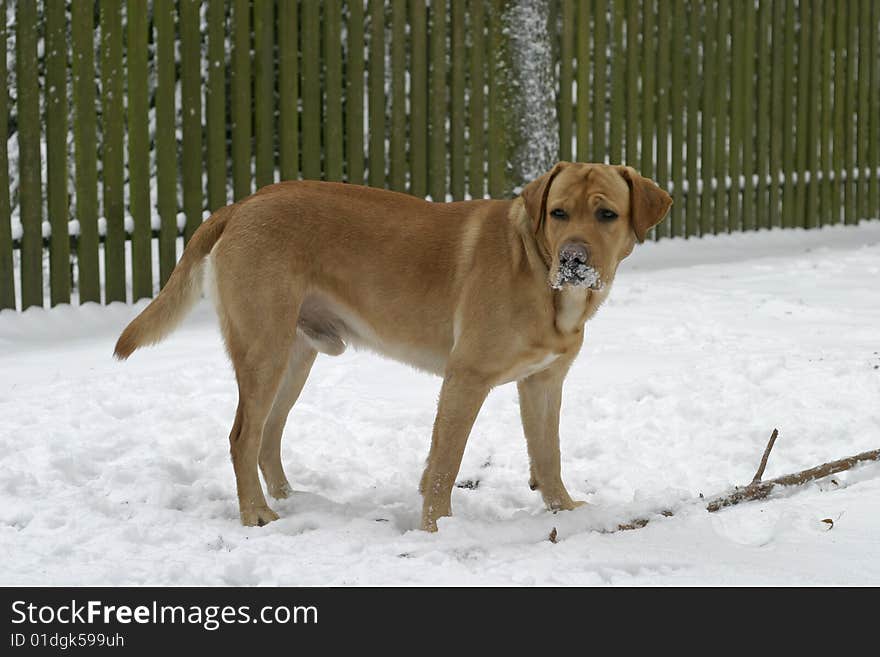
(600, 63)
(332, 124)
(137, 118)
(85, 157)
(112, 156)
(166, 139)
(30, 178)
(456, 105)
(354, 94)
(566, 70)
(476, 104)
(215, 103)
(56, 151)
(288, 89)
(693, 108)
(437, 136)
(7, 276)
(377, 94)
(397, 152)
(311, 90)
(264, 96)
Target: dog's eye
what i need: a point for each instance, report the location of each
(604, 214)
(559, 213)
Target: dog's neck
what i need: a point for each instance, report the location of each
(573, 306)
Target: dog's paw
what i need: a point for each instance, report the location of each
(280, 491)
(258, 516)
(566, 504)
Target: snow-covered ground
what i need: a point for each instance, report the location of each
(118, 473)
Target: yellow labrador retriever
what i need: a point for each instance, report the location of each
(479, 292)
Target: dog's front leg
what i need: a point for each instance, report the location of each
(461, 397)
(540, 398)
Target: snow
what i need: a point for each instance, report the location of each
(118, 473)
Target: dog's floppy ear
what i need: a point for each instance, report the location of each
(648, 203)
(534, 195)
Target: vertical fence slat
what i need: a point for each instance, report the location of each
(263, 94)
(397, 150)
(632, 82)
(377, 93)
(777, 106)
(693, 108)
(7, 276)
(191, 114)
(814, 116)
(663, 90)
(354, 95)
(29, 177)
(476, 102)
(240, 91)
(112, 157)
(649, 105)
(288, 89)
(762, 132)
(708, 107)
(863, 121)
(310, 79)
(137, 118)
(166, 140)
(495, 137)
(788, 116)
(215, 104)
(722, 117)
(437, 144)
(802, 113)
(456, 114)
(677, 117)
(849, 107)
(56, 151)
(85, 156)
(737, 112)
(874, 114)
(418, 125)
(600, 62)
(332, 49)
(618, 68)
(583, 115)
(825, 191)
(839, 110)
(566, 61)
(747, 221)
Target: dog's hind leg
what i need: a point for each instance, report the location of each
(259, 372)
(302, 356)
(260, 331)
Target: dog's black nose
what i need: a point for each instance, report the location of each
(575, 251)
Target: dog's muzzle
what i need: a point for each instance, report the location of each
(575, 269)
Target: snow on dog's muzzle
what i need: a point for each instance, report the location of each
(575, 269)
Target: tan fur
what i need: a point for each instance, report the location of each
(461, 290)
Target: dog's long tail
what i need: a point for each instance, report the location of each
(180, 293)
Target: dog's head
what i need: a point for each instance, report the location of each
(588, 217)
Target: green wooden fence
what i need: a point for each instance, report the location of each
(128, 121)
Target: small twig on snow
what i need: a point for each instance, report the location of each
(760, 472)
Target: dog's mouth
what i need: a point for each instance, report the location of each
(574, 269)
